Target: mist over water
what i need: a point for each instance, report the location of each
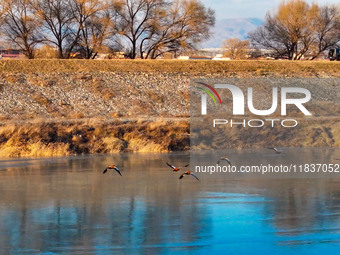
(66, 205)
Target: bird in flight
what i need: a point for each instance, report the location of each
(189, 173)
(174, 168)
(277, 151)
(226, 159)
(112, 167)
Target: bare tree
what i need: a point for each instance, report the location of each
(326, 29)
(286, 32)
(150, 27)
(74, 25)
(298, 30)
(20, 25)
(82, 10)
(133, 17)
(97, 29)
(57, 19)
(180, 26)
(154, 27)
(236, 48)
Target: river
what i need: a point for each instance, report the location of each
(68, 206)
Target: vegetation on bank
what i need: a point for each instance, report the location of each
(189, 67)
(84, 137)
(315, 132)
(63, 138)
(128, 97)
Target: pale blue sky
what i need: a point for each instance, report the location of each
(249, 8)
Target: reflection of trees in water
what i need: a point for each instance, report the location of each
(66, 209)
(128, 223)
(304, 205)
(71, 204)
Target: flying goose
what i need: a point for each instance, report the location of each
(174, 168)
(226, 159)
(189, 173)
(112, 167)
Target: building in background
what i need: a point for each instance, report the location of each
(9, 51)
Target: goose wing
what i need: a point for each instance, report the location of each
(117, 170)
(195, 177)
(170, 165)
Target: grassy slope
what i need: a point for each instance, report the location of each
(194, 67)
(60, 138)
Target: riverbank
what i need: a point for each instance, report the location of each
(90, 136)
(65, 107)
(60, 138)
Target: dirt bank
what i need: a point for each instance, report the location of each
(62, 107)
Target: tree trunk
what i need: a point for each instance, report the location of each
(60, 52)
(133, 52)
(30, 54)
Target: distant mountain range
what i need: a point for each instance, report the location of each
(231, 28)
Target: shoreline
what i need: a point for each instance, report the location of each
(65, 107)
(65, 138)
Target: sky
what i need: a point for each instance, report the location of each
(226, 9)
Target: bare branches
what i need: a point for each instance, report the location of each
(236, 48)
(147, 28)
(57, 19)
(96, 30)
(93, 21)
(158, 26)
(326, 29)
(134, 18)
(298, 30)
(181, 26)
(20, 25)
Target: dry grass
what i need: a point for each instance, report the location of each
(41, 99)
(75, 115)
(4, 117)
(42, 138)
(229, 68)
(99, 88)
(309, 133)
(66, 138)
(91, 136)
(40, 81)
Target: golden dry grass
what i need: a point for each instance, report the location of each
(94, 136)
(82, 137)
(41, 138)
(315, 132)
(230, 68)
